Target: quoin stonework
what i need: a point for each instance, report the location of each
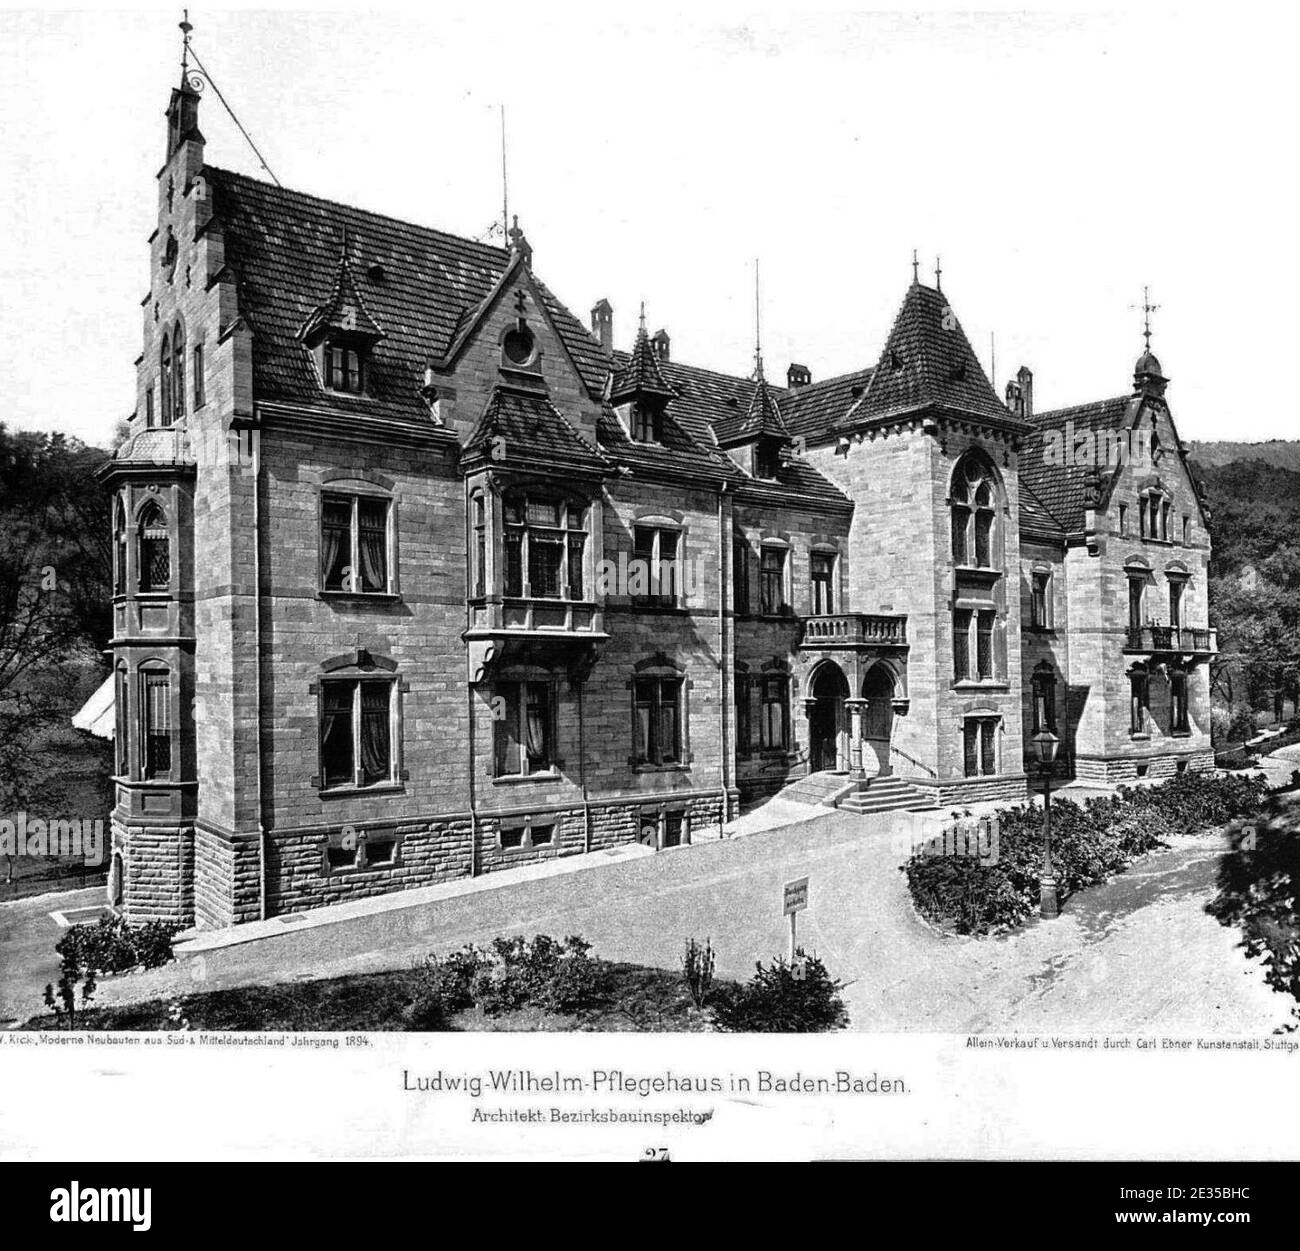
(366, 637)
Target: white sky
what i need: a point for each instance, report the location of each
(1056, 162)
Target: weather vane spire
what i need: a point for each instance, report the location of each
(1147, 309)
(938, 273)
(916, 268)
(185, 42)
(758, 325)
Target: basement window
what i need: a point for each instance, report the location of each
(528, 833)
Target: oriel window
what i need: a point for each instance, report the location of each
(544, 547)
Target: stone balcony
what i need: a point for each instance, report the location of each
(1166, 640)
(855, 629)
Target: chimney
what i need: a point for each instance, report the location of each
(1025, 380)
(602, 323)
(661, 343)
(797, 376)
(1015, 399)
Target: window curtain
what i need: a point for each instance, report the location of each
(336, 734)
(336, 542)
(376, 701)
(373, 533)
(535, 725)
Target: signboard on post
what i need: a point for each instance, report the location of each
(794, 901)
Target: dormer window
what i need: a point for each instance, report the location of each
(767, 460)
(647, 422)
(342, 368)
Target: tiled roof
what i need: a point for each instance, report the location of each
(284, 248)
(702, 399)
(1061, 488)
(927, 361)
(811, 410)
(1034, 515)
(532, 430)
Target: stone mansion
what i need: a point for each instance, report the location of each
(417, 576)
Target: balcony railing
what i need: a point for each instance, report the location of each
(855, 629)
(556, 617)
(1155, 639)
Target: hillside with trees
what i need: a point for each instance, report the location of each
(1254, 579)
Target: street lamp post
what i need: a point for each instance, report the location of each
(1045, 744)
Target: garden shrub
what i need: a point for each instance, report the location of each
(510, 973)
(799, 997)
(114, 945)
(1091, 842)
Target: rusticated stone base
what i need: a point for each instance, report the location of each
(960, 791)
(157, 871)
(313, 868)
(1108, 771)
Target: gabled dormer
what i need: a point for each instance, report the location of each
(341, 334)
(639, 391)
(757, 441)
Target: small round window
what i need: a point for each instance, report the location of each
(518, 346)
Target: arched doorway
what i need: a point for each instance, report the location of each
(826, 743)
(878, 715)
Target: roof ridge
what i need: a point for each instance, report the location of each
(1053, 414)
(501, 252)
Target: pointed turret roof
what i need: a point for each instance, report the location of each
(344, 309)
(641, 375)
(762, 419)
(927, 363)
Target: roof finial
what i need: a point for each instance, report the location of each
(1147, 309)
(916, 268)
(758, 326)
(938, 273)
(642, 330)
(185, 45)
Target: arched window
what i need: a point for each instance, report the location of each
(178, 373)
(119, 549)
(153, 558)
(974, 507)
(165, 382)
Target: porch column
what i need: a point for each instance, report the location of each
(855, 707)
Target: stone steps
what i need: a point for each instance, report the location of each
(887, 794)
(824, 789)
